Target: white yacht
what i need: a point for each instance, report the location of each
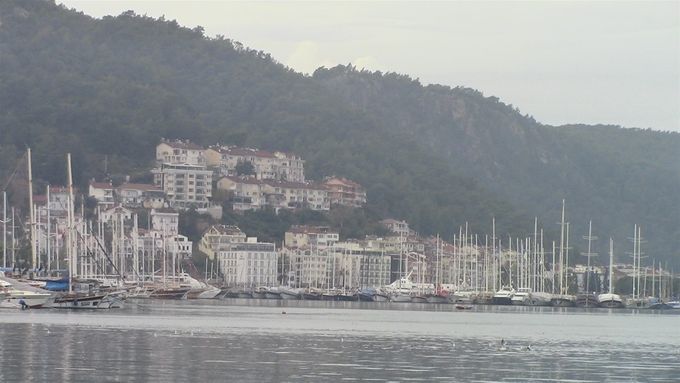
(610, 300)
(31, 297)
(503, 296)
(521, 297)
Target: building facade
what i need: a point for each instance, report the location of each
(342, 191)
(185, 186)
(180, 152)
(220, 238)
(249, 264)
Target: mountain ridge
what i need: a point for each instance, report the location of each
(434, 155)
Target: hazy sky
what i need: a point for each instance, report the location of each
(562, 62)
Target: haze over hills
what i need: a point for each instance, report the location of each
(435, 156)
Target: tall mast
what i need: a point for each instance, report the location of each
(49, 231)
(493, 248)
(4, 229)
(566, 262)
(562, 249)
(611, 262)
(70, 229)
(535, 255)
(635, 231)
(589, 254)
(553, 267)
(30, 207)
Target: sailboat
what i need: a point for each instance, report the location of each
(610, 300)
(77, 300)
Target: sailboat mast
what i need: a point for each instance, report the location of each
(635, 231)
(31, 208)
(562, 249)
(4, 229)
(611, 262)
(49, 231)
(71, 263)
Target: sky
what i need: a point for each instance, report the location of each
(562, 62)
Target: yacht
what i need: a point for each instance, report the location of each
(610, 300)
(503, 296)
(540, 299)
(521, 297)
(32, 297)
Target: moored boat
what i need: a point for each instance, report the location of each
(83, 302)
(587, 300)
(540, 299)
(400, 298)
(521, 296)
(503, 296)
(288, 293)
(170, 293)
(563, 301)
(610, 301)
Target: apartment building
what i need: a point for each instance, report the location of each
(342, 191)
(249, 264)
(185, 186)
(180, 152)
(266, 165)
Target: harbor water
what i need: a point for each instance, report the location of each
(292, 341)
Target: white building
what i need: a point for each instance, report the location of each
(186, 186)
(291, 195)
(397, 227)
(220, 238)
(252, 194)
(310, 236)
(247, 193)
(165, 221)
(342, 267)
(266, 165)
(102, 192)
(342, 191)
(250, 264)
(140, 195)
(179, 152)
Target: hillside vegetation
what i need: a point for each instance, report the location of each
(107, 90)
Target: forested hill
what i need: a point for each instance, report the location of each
(433, 155)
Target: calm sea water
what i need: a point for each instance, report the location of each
(254, 341)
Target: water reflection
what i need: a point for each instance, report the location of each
(188, 341)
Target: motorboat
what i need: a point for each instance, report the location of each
(521, 297)
(503, 296)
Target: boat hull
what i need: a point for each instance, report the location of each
(169, 294)
(437, 299)
(92, 302)
(401, 298)
(503, 301)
